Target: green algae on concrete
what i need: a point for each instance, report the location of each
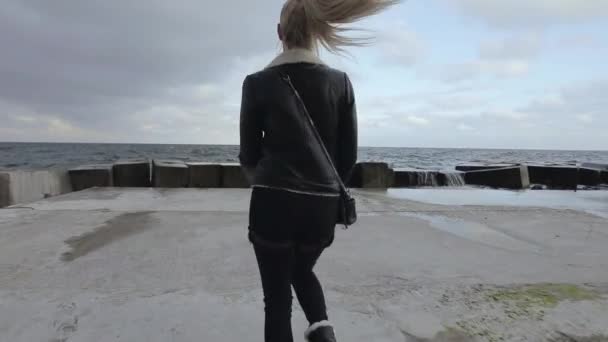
(542, 295)
(477, 331)
(522, 302)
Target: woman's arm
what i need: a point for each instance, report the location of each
(347, 142)
(251, 131)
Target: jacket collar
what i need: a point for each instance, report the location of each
(292, 56)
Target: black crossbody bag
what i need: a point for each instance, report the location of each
(347, 214)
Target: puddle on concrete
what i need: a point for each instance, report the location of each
(475, 232)
(113, 230)
(99, 194)
(595, 202)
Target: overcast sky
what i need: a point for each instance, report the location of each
(443, 73)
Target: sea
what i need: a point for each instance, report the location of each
(34, 156)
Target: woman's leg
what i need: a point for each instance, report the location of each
(306, 285)
(276, 265)
(269, 231)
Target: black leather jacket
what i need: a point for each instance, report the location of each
(277, 148)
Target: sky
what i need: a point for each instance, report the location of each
(441, 73)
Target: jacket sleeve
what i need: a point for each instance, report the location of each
(250, 131)
(347, 142)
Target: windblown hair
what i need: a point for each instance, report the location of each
(308, 23)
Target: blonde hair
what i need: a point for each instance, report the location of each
(306, 23)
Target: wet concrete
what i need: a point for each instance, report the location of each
(595, 202)
(114, 229)
(476, 232)
(175, 265)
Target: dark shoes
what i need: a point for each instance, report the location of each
(320, 332)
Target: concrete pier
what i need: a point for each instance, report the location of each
(153, 264)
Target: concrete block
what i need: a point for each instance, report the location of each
(169, 174)
(451, 178)
(355, 178)
(597, 166)
(132, 173)
(204, 175)
(590, 177)
(555, 177)
(17, 187)
(89, 176)
(481, 166)
(233, 176)
(509, 178)
(391, 178)
(603, 169)
(412, 178)
(404, 178)
(371, 175)
(5, 191)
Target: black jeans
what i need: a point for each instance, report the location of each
(289, 232)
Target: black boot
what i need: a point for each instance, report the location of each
(320, 332)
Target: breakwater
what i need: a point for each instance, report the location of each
(22, 186)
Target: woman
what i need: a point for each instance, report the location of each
(295, 199)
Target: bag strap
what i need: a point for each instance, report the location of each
(343, 187)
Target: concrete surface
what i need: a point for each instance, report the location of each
(174, 265)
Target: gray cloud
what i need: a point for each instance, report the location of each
(156, 71)
(509, 57)
(566, 117)
(401, 45)
(92, 63)
(533, 13)
(519, 47)
(587, 99)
